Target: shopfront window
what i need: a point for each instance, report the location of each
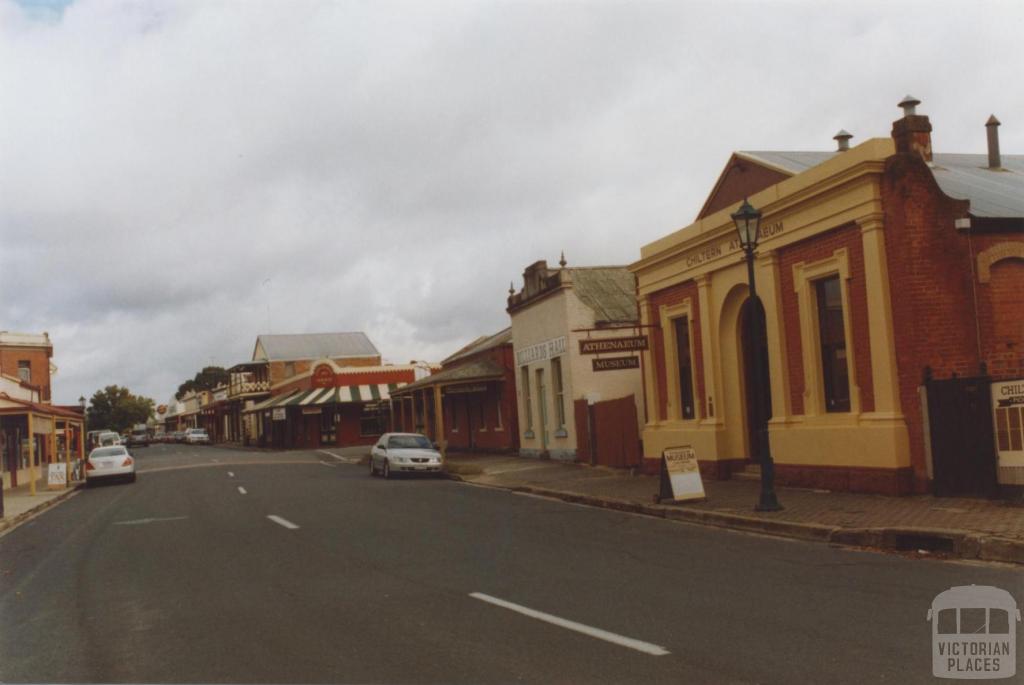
(684, 362)
(556, 378)
(527, 399)
(482, 412)
(373, 420)
(832, 335)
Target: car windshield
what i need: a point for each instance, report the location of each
(107, 452)
(408, 442)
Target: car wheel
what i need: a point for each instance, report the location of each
(387, 470)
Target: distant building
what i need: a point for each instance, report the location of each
(882, 270)
(26, 356)
(558, 318)
(477, 388)
(323, 389)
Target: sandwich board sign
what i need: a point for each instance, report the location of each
(680, 475)
(56, 477)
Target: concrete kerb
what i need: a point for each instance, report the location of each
(7, 524)
(960, 544)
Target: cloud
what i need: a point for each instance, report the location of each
(180, 177)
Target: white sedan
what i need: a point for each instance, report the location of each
(109, 462)
(404, 453)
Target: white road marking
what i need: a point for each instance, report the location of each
(343, 460)
(640, 646)
(324, 463)
(282, 522)
(215, 461)
(139, 522)
(242, 490)
(231, 474)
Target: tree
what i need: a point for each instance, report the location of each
(207, 379)
(118, 409)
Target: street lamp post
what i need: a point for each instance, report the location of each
(748, 225)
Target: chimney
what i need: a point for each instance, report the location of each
(843, 140)
(912, 133)
(992, 126)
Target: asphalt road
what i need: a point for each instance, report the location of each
(183, 577)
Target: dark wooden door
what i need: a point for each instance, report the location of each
(756, 383)
(962, 437)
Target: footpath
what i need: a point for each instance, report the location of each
(20, 504)
(989, 530)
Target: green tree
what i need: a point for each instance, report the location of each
(118, 409)
(207, 379)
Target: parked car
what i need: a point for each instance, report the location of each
(139, 437)
(179, 436)
(404, 453)
(108, 439)
(197, 436)
(109, 462)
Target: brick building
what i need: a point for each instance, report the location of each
(878, 266)
(26, 356)
(324, 389)
(477, 390)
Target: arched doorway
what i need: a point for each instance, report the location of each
(756, 386)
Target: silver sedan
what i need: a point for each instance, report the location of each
(404, 453)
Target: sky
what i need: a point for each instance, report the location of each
(179, 177)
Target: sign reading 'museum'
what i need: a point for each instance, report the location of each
(616, 363)
(680, 475)
(599, 345)
(540, 351)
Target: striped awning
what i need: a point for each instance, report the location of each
(339, 395)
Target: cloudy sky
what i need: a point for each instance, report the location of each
(179, 177)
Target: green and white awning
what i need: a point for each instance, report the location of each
(339, 395)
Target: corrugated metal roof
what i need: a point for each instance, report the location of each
(992, 193)
(480, 370)
(610, 291)
(791, 162)
(482, 343)
(315, 346)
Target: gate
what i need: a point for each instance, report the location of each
(607, 433)
(962, 440)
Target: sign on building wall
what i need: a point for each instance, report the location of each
(541, 351)
(616, 363)
(220, 395)
(323, 376)
(600, 345)
(1008, 412)
(279, 414)
(465, 389)
(680, 475)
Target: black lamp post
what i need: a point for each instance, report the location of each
(748, 225)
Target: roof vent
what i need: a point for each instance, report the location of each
(909, 104)
(992, 126)
(843, 140)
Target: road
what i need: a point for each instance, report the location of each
(234, 566)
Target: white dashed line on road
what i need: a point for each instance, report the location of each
(638, 645)
(231, 474)
(343, 460)
(139, 522)
(242, 491)
(282, 522)
(324, 463)
(215, 461)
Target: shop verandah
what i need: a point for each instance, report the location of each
(34, 435)
(467, 407)
(335, 416)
